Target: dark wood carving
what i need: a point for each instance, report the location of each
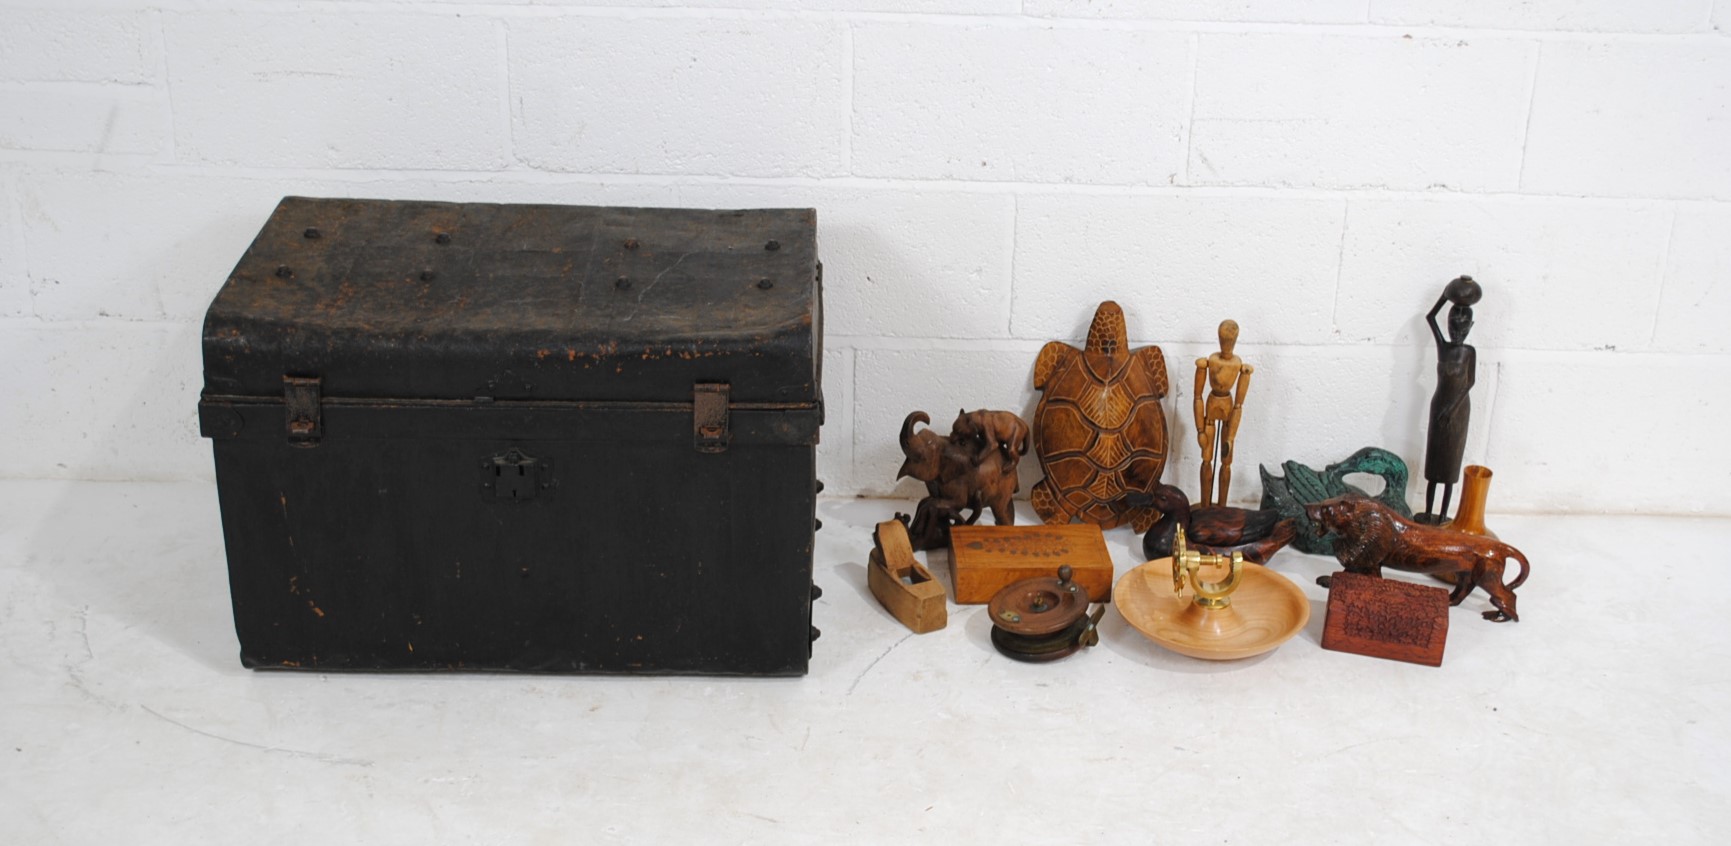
(1450, 406)
(1386, 618)
(1226, 379)
(1099, 430)
(1216, 530)
(970, 470)
(1371, 537)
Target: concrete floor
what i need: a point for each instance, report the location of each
(1602, 716)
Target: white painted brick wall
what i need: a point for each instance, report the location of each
(1563, 274)
(1548, 15)
(986, 171)
(1643, 119)
(1643, 428)
(723, 97)
(1696, 297)
(1171, 260)
(79, 118)
(1013, 103)
(1386, 111)
(14, 288)
(1272, 11)
(38, 45)
(394, 91)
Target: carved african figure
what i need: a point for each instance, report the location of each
(1373, 537)
(1099, 429)
(1227, 378)
(1450, 407)
(972, 469)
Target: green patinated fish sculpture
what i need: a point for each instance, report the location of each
(1302, 485)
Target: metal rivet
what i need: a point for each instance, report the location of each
(622, 283)
(772, 246)
(426, 276)
(630, 243)
(312, 232)
(765, 284)
(283, 271)
(442, 238)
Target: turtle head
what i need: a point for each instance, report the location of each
(1107, 335)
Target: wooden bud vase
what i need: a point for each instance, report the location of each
(1470, 517)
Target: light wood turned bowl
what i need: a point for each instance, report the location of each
(1267, 610)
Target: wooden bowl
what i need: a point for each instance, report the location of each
(1266, 611)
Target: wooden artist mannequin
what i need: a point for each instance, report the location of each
(1450, 406)
(1218, 411)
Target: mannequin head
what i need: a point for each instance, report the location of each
(1228, 336)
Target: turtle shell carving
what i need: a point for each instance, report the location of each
(1099, 429)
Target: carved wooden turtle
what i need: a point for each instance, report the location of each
(1099, 429)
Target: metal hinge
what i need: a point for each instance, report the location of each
(301, 410)
(709, 431)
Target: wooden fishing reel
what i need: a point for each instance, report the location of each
(1187, 563)
(1043, 619)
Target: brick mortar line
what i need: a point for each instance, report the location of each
(1664, 274)
(1532, 105)
(1007, 20)
(58, 164)
(895, 343)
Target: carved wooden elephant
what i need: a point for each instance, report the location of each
(971, 470)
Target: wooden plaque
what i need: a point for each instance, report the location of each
(1386, 618)
(988, 558)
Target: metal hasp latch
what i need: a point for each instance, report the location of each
(302, 413)
(516, 476)
(709, 432)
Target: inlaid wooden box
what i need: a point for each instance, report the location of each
(985, 559)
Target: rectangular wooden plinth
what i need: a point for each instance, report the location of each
(988, 558)
(1385, 618)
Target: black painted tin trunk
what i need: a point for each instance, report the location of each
(536, 438)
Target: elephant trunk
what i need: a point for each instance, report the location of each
(923, 449)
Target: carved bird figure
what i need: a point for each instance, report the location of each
(1302, 485)
(1217, 529)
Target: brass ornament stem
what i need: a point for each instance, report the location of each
(1187, 564)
